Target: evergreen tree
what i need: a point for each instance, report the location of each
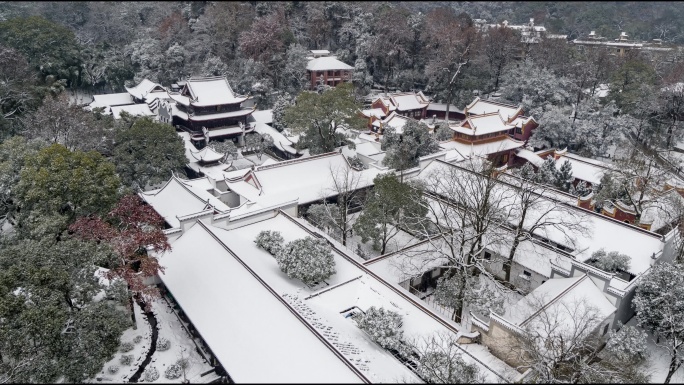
(563, 177)
(404, 149)
(389, 205)
(146, 152)
(660, 309)
(382, 325)
(547, 172)
(308, 259)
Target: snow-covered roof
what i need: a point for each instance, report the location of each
(262, 116)
(558, 298)
(374, 112)
(216, 132)
(601, 232)
(482, 124)
(530, 156)
(281, 142)
(323, 308)
(320, 51)
(133, 109)
(479, 107)
(245, 323)
(108, 100)
(307, 179)
(586, 169)
(207, 155)
(409, 101)
(210, 91)
(178, 198)
(327, 63)
(145, 87)
(487, 148)
(442, 107)
(409, 262)
(396, 121)
(221, 115)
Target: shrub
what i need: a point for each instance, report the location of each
(382, 326)
(173, 371)
(270, 241)
(127, 347)
(163, 344)
(137, 339)
(112, 369)
(126, 359)
(151, 374)
(610, 262)
(308, 259)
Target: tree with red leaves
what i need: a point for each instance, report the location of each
(133, 230)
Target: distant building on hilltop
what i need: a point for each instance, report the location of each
(623, 44)
(327, 70)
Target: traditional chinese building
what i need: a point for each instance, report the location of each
(491, 129)
(209, 109)
(327, 70)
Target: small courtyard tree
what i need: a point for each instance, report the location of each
(334, 214)
(271, 241)
(322, 118)
(134, 231)
(383, 326)
(390, 202)
(404, 149)
(441, 361)
(308, 259)
(610, 262)
(660, 310)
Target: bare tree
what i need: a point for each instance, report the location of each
(466, 209)
(339, 200)
(441, 361)
(534, 211)
(500, 47)
(561, 341)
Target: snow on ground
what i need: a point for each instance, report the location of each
(182, 346)
(139, 351)
(659, 361)
(398, 242)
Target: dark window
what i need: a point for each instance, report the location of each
(605, 329)
(527, 273)
(487, 255)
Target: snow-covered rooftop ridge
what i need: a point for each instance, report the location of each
(483, 124)
(108, 100)
(558, 296)
(327, 63)
(209, 91)
(479, 107)
(146, 86)
(207, 155)
(132, 109)
(179, 198)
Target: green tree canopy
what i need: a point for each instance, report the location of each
(388, 206)
(49, 47)
(61, 185)
(57, 320)
(146, 152)
(404, 149)
(320, 118)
